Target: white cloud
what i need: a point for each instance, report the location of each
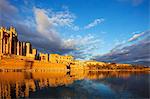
(120, 44)
(46, 21)
(44, 25)
(84, 46)
(94, 23)
(130, 52)
(41, 31)
(79, 46)
(74, 27)
(61, 18)
(136, 36)
(58, 19)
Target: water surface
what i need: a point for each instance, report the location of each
(74, 84)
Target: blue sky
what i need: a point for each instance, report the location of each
(87, 27)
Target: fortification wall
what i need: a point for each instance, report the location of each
(23, 63)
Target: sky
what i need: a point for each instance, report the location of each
(86, 29)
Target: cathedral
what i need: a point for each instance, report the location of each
(10, 45)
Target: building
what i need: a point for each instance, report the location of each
(34, 52)
(8, 41)
(78, 62)
(44, 57)
(19, 48)
(30, 53)
(123, 65)
(24, 48)
(55, 58)
(28, 49)
(10, 45)
(91, 62)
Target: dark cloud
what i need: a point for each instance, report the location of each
(8, 12)
(136, 53)
(26, 29)
(39, 29)
(6, 8)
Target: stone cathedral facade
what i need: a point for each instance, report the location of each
(8, 41)
(10, 45)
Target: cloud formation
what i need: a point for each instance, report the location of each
(7, 12)
(136, 36)
(94, 23)
(131, 40)
(85, 46)
(6, 7)
(45, 25)
(41, 30)
(135, 53)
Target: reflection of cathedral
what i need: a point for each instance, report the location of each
(19, 84)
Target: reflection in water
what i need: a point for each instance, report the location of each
(86, 84)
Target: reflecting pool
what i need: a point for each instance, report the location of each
(74, 84)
